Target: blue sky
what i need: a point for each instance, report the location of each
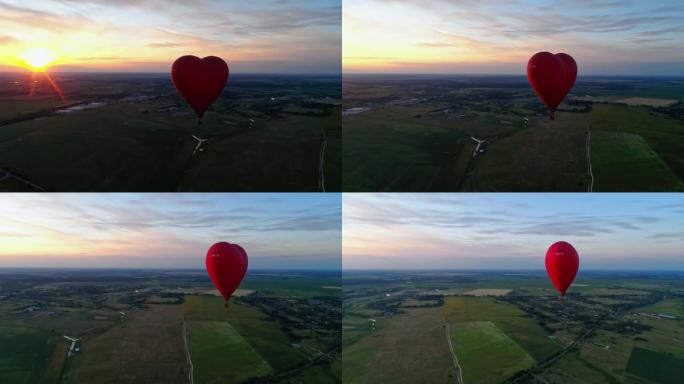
(272, 36)
(512, 231)
(280, 231)
(498, 36)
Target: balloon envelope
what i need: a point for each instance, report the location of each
(199, 81)
(562, 263)
(226, 266)
(551, 77)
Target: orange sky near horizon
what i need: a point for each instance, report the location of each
(499, 36)
(148, 35)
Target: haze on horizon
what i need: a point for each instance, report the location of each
(269, 36)
(407, 231)
(167, 231)
(606, 37)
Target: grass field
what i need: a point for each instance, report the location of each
(389, 153)
(509, 319)
(574, 368)
(593, 363)
(547, 156)
(26, 355)
(295, 285)
(10, 109)
(414, 133)
(485, 353)
(148, 347)
(406, 348)
(619, 158)
(220, 354)
(662, 134)
(253, 325)
(658, 367)
(255, 143)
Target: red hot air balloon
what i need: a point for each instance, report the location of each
(199, 81)
(226, 265)
(562, 263)
(551, 76)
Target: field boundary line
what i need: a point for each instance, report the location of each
(590, 170)
(454, 358)
(187, 354)
(321, 162)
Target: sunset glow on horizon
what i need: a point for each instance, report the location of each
(37, 59)
(147, 35)
(498, 36)
(511, 231)
(279, 231)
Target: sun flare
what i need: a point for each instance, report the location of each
(38, 58)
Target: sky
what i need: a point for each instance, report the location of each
(278, 231)
(259, 36)
(512, 231)
(618, 37)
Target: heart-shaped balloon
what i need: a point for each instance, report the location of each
(199, 81)
(226, 266)
(562, 263)
(551, 76)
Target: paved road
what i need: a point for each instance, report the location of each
(454, 358)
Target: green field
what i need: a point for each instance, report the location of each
(264, 336)
(486, 354)
(27, 354)
(220, 354)
(147, 347)
(406, 348)
(131, 327)
(618, 158)
(386, 153)
(10, 109)
(255, 143)
(547, 156)
(413, 133)
(660, 142)
(508, 318)
(658, 367)
(632, 143)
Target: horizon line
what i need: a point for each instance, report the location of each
(158, 269)
(500, 74)
(506, 270)
(331, 269)
(167, 73)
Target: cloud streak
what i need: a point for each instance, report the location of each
(500, 231)
(460, 37)
(287, 37)
(64, 229)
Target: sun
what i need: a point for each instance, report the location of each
(38, 58)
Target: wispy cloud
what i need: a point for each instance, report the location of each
(151, 228)
(441, 232)
(462, 36)
(285, 36)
